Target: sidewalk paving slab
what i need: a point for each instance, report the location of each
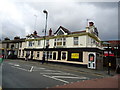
(109, 82)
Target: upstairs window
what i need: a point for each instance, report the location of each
(47, 42)
(30, 43)
(39, 42)
(60, 42)
(16, 46)
(93, 41)
(20, 45)
(64, 41)
(75, 40)
(55, 41)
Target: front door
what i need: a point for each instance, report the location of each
(59, 55)
(54, 55)
(92, 60)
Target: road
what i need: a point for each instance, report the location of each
(30, 74)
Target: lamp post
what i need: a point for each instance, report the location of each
(108, 59)
(44, 11)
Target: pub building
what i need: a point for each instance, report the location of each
(82, 47)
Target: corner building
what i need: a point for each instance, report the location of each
(81, 47)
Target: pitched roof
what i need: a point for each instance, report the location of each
(32, 35)
(64, 29)
(78, 32)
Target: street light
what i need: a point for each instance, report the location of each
(108, 59)
(44, 11)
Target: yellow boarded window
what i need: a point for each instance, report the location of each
(75, 55)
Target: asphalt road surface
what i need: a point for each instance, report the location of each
(29, 74)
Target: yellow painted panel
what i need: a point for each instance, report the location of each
(75, 55)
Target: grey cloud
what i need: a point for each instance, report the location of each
(70, 15)
(104, 5)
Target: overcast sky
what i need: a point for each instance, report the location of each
(20, 18)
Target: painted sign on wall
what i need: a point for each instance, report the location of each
(75, 55)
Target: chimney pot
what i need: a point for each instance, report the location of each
(91, 23)
(50, 32)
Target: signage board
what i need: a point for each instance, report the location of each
(75, 55)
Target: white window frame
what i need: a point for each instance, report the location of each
(39, 42)
(20, 45)
(77, 40)
(47, 42)
(30, 43)
(50, 54)
(61, 41)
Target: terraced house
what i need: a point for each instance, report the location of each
(80, 47)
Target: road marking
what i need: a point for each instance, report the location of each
(63, 73)
(11, 63)
(14, 64)
(51, 71)
(20, 68)
(17, 65)
(48, 70)
(38, 67)
(31, 69)
(56, 79)
(57, 73)
(95, 74)
(70, 77)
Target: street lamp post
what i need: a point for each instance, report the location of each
(44, 11)
(108, 59)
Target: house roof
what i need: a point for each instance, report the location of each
(78, 32)
(32, 35)
(64, 29)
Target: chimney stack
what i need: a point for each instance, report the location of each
(50, 32)
(35, 33)
(91, 23)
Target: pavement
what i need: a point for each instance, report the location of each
(109, 82)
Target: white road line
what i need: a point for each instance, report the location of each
(49, 70)
(21, 68)
(14, 64)
(56, 79)
(70, 77)
(11, 63)
(31, 69)
(17, 65)
(56, 73)
(38, 68)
